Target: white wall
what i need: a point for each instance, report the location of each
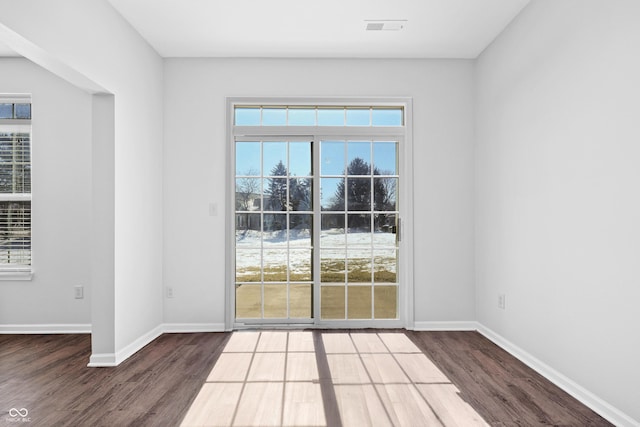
(93, 39)
(61, 222)
(558, 185)
(194, 170)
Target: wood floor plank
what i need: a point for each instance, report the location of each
(337, 342)
(267, 367)
(301, 341)
(302, 367)
(303, 405)
(215, 405)
(368, 343)
(398, 343)
(242, 342)
(347, 369)
(272, 341)
(383, 368)
(449, 407)
(405, 405)
(360, 406)
(260, 405)
(231, 367)
(47, 374)
(420, 369)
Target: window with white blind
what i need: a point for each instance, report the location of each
(15, 184)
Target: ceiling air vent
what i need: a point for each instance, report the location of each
(385, 25)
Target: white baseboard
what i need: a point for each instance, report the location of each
(138, 344)
(171, 328)
(71, 328)
(446, 326)
(592, 401)
(111, 359)
(102, 360)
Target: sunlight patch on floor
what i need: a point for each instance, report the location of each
(273, 379)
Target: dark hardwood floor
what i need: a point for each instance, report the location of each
(47, 375)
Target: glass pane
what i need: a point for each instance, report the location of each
(248, 301)
(384, 266)
(332, 233)
(15, 221)
(6, 111)
(332, 194)
(274, 265)
(248, 226)
(302, 116)
(23, 111)
(247, 116)
(248, 194)
(274, 230)
(332, 158)
(300, 194)
(275, 158)
(359, 230)
(300, 300)
(332, 302)
(359, 302)
(358, 194)
(22, 148)
(274, 116)
(386, 117)
(385, 302)
(300, 265)
(332, 265)
(6, 147)
(359, 266)
(6, 178)
(300, 226)
(275, 301)
(359, 158)
(23, 178)
(358, 117)
(275, 194)
(248, 263)
(385, 158)
(248, 158)
(385, 230)
(384, 194)
(300, 158)
(330, 116)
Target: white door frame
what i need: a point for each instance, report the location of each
(405, 153)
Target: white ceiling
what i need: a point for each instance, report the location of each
(318, 29)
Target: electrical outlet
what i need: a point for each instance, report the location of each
(78, 292)
(501, 301)
(169, 291)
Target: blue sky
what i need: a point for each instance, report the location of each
(335, 155)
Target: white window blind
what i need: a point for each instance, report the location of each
(15, 183)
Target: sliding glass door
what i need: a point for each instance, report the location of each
(316, 232)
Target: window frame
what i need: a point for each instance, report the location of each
(23, 125)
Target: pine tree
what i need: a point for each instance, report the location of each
(277, 189)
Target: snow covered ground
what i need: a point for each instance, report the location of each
(363, 247)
